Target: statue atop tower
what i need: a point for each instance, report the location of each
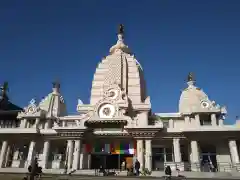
(190, 77)
(120, 47)
(121, 29)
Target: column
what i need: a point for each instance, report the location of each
(187, 120)
(140, 153)
(46, 148)
(48, 124)
(70, 154)
(194, 156)
(23, 123)
(213, 120)
(82, 152)
(177, 151)
(221, 120)
(89, 161)
(197, 120)
(37, 122)
(148, 154)
(64, 123)
(3, 153)
(7, 155)
(233, 151)
(76, 156)
(171, 123)
(31, 153)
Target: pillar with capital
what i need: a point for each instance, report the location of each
(31, 153)
(213, 120)
(195, 159)
(233, 151)
(148, 154)
(3, 153)
(197, 120)
(46, 149)
(140, 153)
(70, 149)
(76, 159)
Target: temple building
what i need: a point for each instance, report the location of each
(8, 120)
(118, 125)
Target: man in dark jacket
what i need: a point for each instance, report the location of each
(137, 167)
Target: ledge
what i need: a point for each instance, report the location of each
(19, 131)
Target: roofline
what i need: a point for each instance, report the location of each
(9, 111)
(169, 115)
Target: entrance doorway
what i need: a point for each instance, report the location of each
(208, 162)
(109, 161)
(208, 158)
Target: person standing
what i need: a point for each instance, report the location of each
(123, 165)
(137, 167)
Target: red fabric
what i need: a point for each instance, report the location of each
(88, 148)
(135, 147)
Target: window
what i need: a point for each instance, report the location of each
(163, 154)
(160, 156)
(169, 157)
(158, 150)
(205, 120)
(184, 153)
(169, 154)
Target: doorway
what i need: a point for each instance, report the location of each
(208, 162)
(110, 161)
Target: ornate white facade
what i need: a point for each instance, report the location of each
(120, 111)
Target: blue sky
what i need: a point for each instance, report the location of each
(41, 41)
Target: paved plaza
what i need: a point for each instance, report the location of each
(74, 177)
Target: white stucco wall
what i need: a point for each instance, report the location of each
(179, 123)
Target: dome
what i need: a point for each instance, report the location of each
(193, 99)
(119, 68)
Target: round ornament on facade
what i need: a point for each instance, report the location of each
(30, 109)
(113, 93)
(106, 111)
(205, 104)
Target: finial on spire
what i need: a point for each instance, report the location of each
(121, 29)
(4, 89)
(120, 46)
(190, 77)
(56, 86)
